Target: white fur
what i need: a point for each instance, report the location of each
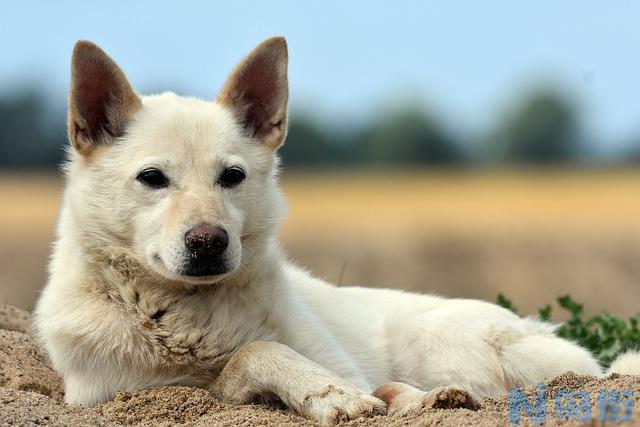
(267, 327)
(626, 364)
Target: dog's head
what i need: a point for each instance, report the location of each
(188, 187)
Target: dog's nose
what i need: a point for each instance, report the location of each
(205, 240)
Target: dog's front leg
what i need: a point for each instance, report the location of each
(263, 368)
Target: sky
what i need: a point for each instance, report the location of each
(350, 60)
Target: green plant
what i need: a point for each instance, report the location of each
(605, 335)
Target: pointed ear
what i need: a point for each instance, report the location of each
(101, 100)
(258, 91)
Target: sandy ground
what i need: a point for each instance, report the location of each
(32, 394)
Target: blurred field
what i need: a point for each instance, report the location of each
(529, 235)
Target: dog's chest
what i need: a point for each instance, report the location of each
(196, 329)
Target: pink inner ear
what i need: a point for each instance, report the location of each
(96, 87)
(259, 92)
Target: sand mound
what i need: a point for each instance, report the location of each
(31, 394)
(14, 319)
(24, 367)
(29, 408)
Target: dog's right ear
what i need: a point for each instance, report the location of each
(101, 100)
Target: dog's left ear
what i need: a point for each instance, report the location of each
(258, 91)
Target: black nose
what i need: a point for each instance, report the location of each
(206, 241)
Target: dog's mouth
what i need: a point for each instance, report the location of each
(194, 272)
(211, 268)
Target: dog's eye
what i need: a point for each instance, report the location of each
(153, 178)
(231, 177)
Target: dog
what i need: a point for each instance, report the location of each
(167, 271)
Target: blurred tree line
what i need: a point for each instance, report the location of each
(31, 134)
(542, 129)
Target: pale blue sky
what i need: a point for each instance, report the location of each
(349, 59)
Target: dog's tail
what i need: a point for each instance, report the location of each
(626, 364)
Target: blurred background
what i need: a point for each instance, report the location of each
(459, 148)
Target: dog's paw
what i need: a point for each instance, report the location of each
(450, 398)
(336, 404)
(402, 398)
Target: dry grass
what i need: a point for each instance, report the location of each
(529, 235)
(469, 201)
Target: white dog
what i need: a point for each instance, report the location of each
(166, 270)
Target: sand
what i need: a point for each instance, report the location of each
(32, 394)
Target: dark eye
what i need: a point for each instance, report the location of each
(231, 177)
(153, 178)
